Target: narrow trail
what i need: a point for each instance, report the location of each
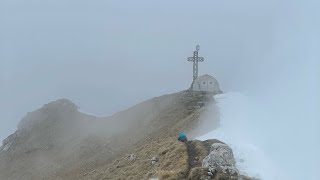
(192, 154)
(197, 150)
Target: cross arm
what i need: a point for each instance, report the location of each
(199, 59)
(190, 59)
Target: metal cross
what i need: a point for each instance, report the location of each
(195, 60)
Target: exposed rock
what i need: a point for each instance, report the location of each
(8, 142)
(154, 159)
(132, 157)
(7, 147)
(220, 160)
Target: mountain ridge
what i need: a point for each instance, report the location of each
(58, 134)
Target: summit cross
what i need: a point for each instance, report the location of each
(195, 59)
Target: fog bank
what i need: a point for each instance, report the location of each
(108, 55)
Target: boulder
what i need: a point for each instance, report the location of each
(220, 160)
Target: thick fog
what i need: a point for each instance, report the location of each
(108, 55)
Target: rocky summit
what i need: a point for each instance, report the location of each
(58, 141)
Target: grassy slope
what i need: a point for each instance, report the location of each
(80, 144)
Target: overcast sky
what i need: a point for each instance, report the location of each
(109, 55)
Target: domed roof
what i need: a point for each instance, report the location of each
(206, 77)
(206, 83)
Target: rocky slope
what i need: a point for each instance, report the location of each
(59, 142)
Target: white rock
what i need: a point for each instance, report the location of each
(133, 157)
(220, 159)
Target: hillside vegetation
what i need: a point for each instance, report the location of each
(58, 141)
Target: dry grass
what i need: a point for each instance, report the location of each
(172, 163)
(176, 160)
(170, 175)
(86, 147)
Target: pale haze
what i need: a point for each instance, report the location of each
(106, 56)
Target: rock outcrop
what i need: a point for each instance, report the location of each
(212, 159)
(7, 143)
(220, 160)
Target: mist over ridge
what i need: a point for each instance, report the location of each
(106, 56)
